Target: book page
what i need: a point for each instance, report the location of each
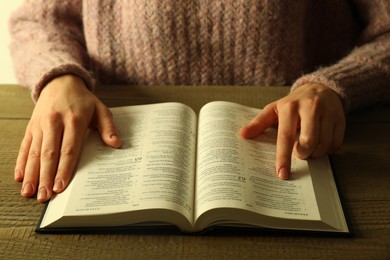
(236, 173)
(154, 168)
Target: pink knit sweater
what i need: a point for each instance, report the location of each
(342, 44)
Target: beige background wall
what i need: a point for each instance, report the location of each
(6, 70)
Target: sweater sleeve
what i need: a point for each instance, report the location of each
(362, 78)
(47, 41)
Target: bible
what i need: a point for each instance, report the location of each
(193, 172)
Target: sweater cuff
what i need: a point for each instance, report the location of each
(312, 78)
(59, 71)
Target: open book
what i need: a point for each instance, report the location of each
(194, 172)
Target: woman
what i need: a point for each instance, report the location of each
(335, 54)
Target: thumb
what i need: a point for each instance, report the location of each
(105, 124)
(266, 118)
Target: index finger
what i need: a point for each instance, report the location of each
(285, 142)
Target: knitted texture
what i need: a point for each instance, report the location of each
(340, 44)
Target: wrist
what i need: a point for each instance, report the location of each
(329, 83)
(66, 81)
(64, 85)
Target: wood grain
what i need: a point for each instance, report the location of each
(361, 168)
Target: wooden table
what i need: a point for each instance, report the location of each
(362, 167)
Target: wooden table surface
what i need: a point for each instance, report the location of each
(362, 168)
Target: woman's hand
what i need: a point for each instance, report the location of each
(53, 138)
(311, 123)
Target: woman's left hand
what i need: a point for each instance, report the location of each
(311, 123)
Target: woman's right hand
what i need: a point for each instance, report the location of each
(53, 138)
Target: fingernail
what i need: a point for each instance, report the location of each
(115, 138)
(42, 194)
(27, 189)
(58, 184)
(246, 132)
(18, 175)
(283, 173)
(245, 127)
